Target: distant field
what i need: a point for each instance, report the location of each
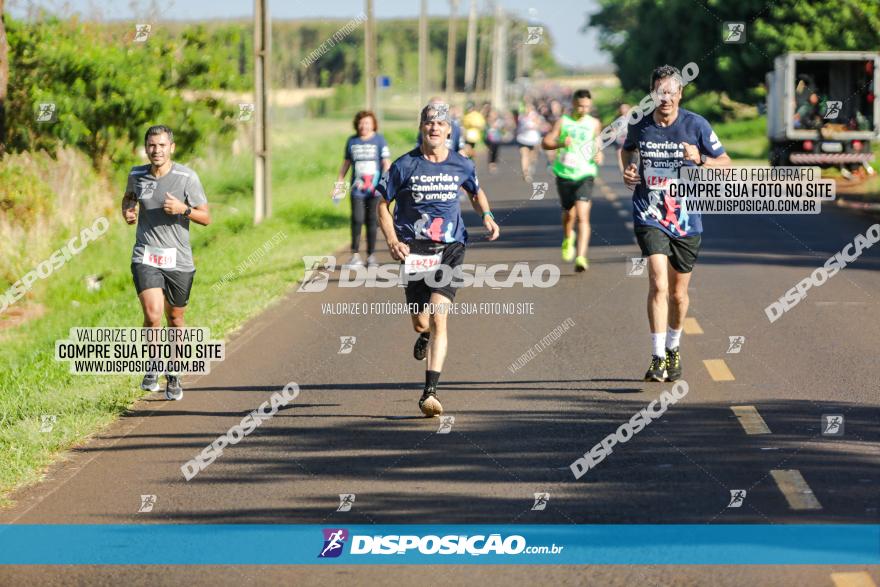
(744, 139)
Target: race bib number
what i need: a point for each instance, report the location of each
(570, 159)
(362, 168)
(160, 258)
(657, 178)
(421, 263)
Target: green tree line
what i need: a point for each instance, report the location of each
(105, 88)
(641, 34)
(231, 43)
(397, 53)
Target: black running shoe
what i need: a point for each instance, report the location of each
(429, 404)
(657, 370)
(420, 350)
(673, 364)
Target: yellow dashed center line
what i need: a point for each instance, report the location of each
(795, 489)
(691, 326)
(858, 579)
(718, 370)
(750, 419)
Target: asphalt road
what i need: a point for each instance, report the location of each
(356, 428)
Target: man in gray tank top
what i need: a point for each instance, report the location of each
(162, 198)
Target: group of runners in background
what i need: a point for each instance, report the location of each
(425, 230)
(539, 123)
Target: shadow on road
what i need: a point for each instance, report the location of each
(493, 460)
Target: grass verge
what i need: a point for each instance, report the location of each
(306, 158)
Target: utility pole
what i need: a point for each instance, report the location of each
(423, 54)
(499, 59)
(482, 56)
(262, 170)
(370, 57)
(470, 58)
(520, 58)
(450, 51)
(4, 80)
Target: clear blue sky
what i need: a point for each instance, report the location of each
(563, 18)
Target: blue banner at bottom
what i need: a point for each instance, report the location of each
(266, 544)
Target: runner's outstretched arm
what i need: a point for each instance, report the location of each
(620, 156)
(481, 205)
(129, 207)
(198, 214)
(551, 139)
(397, 249)
(201, 215)
(629, 169)
(599, 156)
(692, 153)
(343, 171)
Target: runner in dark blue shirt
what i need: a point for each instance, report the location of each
(427, 233)
(661, 156)
(427, 196)
(367, 154)
(668, 235)
(455, 140)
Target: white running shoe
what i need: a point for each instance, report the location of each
(355, 261)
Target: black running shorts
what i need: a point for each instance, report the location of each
(419, 288)
(571, 191)
(682, 252)
(176, 285)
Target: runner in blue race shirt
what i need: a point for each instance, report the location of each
(426, 231)
(368, 155)
(455, 140)
(668, 235)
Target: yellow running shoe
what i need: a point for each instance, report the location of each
(568, 250)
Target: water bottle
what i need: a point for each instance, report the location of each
(338, 191)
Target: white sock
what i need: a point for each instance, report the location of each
(658, 344)
(673, 338)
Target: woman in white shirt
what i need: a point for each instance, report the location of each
(528, 136)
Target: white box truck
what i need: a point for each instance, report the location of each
(822, 109)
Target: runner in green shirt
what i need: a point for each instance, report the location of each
(575, 174)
